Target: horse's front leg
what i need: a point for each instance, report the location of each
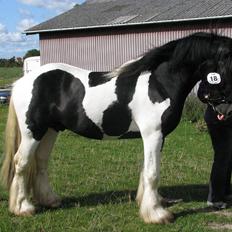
(151, 209)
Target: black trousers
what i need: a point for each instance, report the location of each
(221, 136)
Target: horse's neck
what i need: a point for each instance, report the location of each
(177, 86)
(177, 82)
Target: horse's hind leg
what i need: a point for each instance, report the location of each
(42, 190)
(19, 202)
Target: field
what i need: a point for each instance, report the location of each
(98, 180)
(9, 75)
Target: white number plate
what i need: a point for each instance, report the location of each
(214, 78)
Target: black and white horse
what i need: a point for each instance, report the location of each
(142, 98)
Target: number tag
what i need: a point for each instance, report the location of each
(214, 78)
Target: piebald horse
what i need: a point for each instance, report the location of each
(142, 98)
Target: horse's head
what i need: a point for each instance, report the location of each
(215, 88)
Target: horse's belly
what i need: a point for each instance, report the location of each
(102, 107)
(114, 122)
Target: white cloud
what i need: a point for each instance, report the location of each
(2, 28)
(16, 43)
(58, 5)
(8, 37)
(18, 49)
(25, 13)
(25, 24)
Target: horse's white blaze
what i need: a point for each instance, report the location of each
(97, 99)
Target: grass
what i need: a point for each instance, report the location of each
(98, 180)
(9, 75)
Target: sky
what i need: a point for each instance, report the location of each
(19, 15)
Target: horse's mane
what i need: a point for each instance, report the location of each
(188, 49)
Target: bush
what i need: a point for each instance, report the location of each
(193, 109)
(32, 52)
(201, 125)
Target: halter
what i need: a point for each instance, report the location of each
(216, 101)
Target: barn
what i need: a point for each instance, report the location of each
(102, 34)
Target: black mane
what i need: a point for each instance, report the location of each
(188, 50)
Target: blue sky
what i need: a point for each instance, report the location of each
(19, 15)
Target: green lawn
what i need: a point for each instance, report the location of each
(98, 180)
(9, 75)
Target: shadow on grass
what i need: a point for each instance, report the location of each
(112, 197)
(187, 193)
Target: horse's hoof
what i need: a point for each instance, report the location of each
(23, 209)
(157, 216)
(52, 203)
(56, 203)
(26, 213)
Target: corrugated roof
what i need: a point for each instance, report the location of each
(111, 13)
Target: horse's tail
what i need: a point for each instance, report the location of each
(12, 141)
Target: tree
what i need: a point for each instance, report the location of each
(12, 62)
(32, 52)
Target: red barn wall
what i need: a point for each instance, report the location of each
(104, 50)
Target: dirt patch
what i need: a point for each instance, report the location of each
(220, 227)
(223, 213)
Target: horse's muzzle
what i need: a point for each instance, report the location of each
(223, 110)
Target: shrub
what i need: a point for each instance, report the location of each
(193, 109)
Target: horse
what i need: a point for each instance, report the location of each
(143, 98)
